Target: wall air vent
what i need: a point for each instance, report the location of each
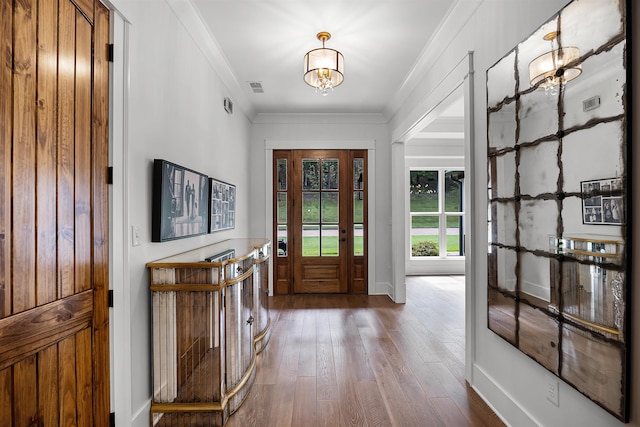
(256, 87)
(228, 105)
(591, 103)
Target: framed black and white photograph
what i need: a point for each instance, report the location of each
(180, 205)
(222, 215)
(601, 202)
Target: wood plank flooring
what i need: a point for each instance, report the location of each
(357, 360)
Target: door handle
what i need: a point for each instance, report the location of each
(344, 239)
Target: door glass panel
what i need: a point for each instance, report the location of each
(310, 174)
(358, 170)
(282, 174)
(283, 241)
(330, 238)
(454, 236)
(330, 211)
(424, 191)
(330, 174)
(453, 191)
(358, 206)
(310, 207)
(358, 239)
(310, 240)
(424, 236)
(282, 208)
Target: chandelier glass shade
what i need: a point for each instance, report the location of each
(555, 67)
(323, 67)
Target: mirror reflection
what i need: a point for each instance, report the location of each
(557, 162)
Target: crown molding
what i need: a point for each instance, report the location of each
(193, 23)
(457, 17)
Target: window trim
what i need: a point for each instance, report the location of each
(441, 213)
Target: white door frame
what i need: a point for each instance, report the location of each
(462, 74)
(368, 145)
(119, 275)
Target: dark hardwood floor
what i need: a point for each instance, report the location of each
(361, 360)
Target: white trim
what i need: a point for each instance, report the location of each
(471, 209)
(365, 144)
(442, 264)
(428, 109)
(461, 74)
(268, 192)
(398, 218)
(456, 20)
(438, 45)
(348, 144)
(193, 23)
(501, 402)
(319, 118)
(119, 273)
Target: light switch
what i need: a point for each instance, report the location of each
(136, 239)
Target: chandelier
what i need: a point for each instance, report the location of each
(323, 67)
(558, 66)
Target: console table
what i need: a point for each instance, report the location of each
(210, 316)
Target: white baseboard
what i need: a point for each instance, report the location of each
(141, 417)
(500, 401)
(383, 288)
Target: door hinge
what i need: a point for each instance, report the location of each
(112, 419)
(110, 52)
(110, 175)
(110, 298)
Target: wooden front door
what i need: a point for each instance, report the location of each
(320, 221)
(54, 329)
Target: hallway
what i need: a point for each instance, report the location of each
(359, 360)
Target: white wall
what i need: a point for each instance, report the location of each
(512, 383)
(175, 112)
(303, 131)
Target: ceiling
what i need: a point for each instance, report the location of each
(265, 41)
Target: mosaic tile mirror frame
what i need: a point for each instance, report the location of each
(558, 168)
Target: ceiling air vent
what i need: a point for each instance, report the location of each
(256, 87)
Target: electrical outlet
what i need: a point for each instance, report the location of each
(136, 239)
(552, 389)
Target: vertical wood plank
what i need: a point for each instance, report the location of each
(24, 391)
(100, 211)
(6, 45)
(83, 154)
(23, 162)
(48, 386)
(6, 391)
(304, 403)
(67, 381)
(86, 7)
(46, 152)
(84, 379)
(66, 157)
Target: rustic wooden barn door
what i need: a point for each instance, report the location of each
(54, 349)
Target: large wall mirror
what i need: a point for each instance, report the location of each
(558, 170)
